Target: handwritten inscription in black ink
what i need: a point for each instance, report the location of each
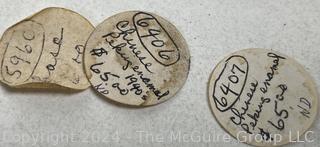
(101, 89)
(119, 45)
(105, 76)
(304, 106)
(268, 101)
(239, 117)
(280, 113)
(273, 68)
(133, 81)
(234, 73)
(78, 58)
(58, 42)
(136, 59)
(148, 83)
(24, 49)
(99, 52)
(156, 40)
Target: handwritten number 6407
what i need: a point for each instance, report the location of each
(234, 79)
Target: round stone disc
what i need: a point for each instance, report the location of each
(136, 58)
(45, 50)
(262, 97)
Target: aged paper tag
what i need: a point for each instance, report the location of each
(136, 58)
(46, 50)
(262, 97)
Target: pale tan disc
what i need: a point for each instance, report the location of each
(45, 50)
(262, 97)
(136, 58)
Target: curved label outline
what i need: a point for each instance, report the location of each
(41, 51)
(175, 45)
(242, 88)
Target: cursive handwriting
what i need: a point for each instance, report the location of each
(282, 113)
(124, 32)
(148, 83)
(79, 49)
(245, 108)
(273, 68)
(58, 42)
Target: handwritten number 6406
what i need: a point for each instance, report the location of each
(154, 33)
